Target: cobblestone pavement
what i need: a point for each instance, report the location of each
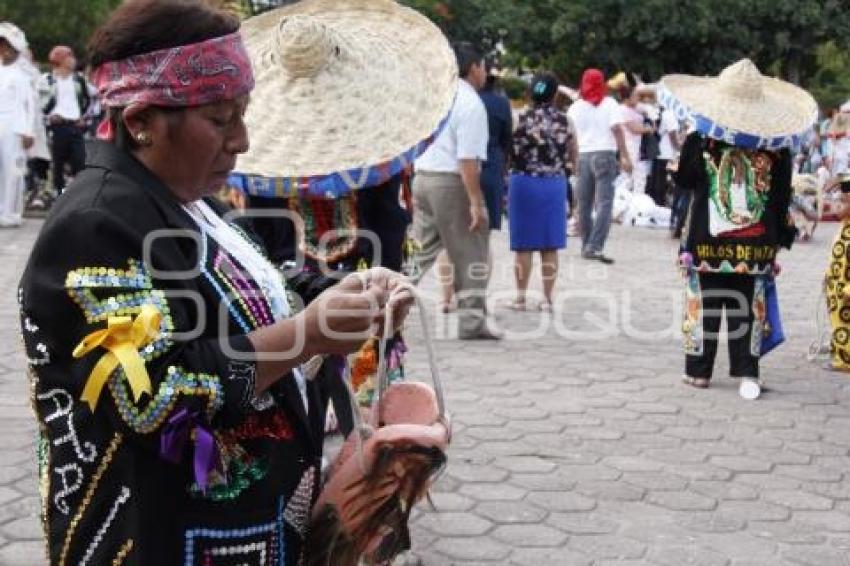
(574, 443)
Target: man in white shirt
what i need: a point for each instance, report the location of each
(599, 134)
(669, 143)
(16, 122)
(66, 97)
(449, 206)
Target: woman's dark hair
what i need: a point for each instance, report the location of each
(467, 56)
(142, 26)
(544, 87)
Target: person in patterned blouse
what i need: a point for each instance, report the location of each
(543, 146)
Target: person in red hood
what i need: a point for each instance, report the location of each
(600, 138)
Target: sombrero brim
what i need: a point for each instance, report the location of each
(778, 118)
(371, 109)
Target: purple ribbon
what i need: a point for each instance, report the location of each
(173, 440)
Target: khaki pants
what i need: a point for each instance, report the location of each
(441, 220)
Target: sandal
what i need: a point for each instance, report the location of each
(698, 382)
(545, 306)
(518, 306)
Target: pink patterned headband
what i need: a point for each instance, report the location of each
(189, 75)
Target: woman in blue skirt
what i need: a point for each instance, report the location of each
(543, 144)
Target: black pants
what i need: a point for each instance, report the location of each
(656, 185)
(36, 174)
(732, 295)
(68, 148)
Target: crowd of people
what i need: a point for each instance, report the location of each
(193, 374)
(46, 118)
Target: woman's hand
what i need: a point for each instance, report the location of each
(339, 320)
(381, 287)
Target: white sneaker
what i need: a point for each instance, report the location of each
(750, 389)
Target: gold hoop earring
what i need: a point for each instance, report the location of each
(143, 138)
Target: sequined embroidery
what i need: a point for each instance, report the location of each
(122, 553)
(123, 497)
(80, 282)
(177, 382)
(68, 488)
(95, 480)
(64, 405)
(250, 298)
(239, 470)
(297, 513)
(265, 541)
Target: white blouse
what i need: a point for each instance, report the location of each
(260, 269)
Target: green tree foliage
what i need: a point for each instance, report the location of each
(652, 37)
(56, 22)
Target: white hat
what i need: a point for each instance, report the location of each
(742, 107)
(13, 34)
(347, 93)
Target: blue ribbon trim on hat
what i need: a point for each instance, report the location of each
(714, 130)
(334, 185)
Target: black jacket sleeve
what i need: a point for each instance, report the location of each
(88, 269)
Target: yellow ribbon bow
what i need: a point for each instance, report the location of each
(122, 338)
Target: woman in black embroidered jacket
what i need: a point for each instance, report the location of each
(176, 425)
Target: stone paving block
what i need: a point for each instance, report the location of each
(520, 536)
(525, 464)
(809, 473)
(475, 473)
(829, 521)
(720, 490)
(768, 481)
(681, 501)
(742, 464)
(787, 533)
(654, 408)
(26, 528)
(699, 471)
(510, 512)
(582, 523)
(562, 502)
(460, 550)
(610, 490)
(522, 413)
(798, 500)
(836, 491)
(541, 482)
(455, 524)
(754, 510)
(655, 481)
(451, 502)
(690, 555)
(24, 553)
(713, 523)
(540, 556)
(628, 464)
(607, 547)
(676, 455)
(492, 492)
(816, 556)
(500, 433)
(693, 434)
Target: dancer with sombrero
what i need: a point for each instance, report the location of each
(347, 96)
(737, 161)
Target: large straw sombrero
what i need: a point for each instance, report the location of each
(742, 107)
(347, 93)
